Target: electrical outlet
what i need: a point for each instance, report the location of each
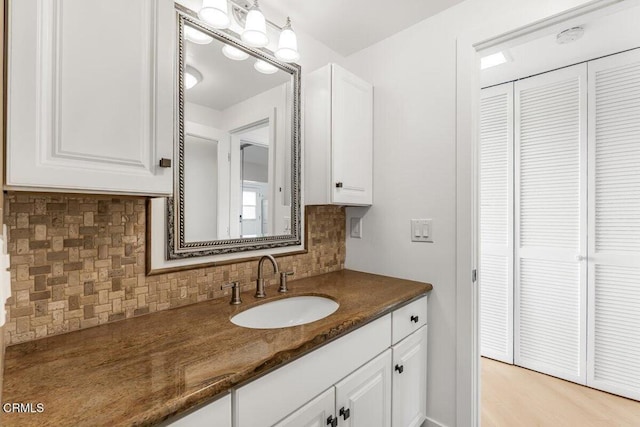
(356, 228)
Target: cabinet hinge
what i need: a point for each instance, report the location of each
(474, 275)
(229, 156)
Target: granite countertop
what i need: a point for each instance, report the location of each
(144, 370)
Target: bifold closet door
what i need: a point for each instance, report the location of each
(496, 223)
(551, 229)
(614, 224)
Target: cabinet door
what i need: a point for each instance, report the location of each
(363, 399)
(90, 101)
(352, 139)
(313, 414)
(409, 401)
(216, 414)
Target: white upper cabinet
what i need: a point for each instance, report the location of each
(338, 138)
(90, 95)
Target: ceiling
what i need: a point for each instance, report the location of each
(347, 26)
(603, 35)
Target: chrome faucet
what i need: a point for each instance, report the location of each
(260, 282)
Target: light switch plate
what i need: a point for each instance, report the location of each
(421, 230)
(356, 227)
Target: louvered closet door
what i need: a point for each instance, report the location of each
(496, 223)
(550, 286)
(614, 224)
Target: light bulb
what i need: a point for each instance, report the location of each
(265, 67)
(191, 77)
(255, 29)
(215, 13)
(234, 53)
(288, 44)
(196, 36)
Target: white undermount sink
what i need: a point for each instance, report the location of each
(286, 312)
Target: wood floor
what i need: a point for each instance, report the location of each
(518, 397)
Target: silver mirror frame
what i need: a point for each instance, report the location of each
(177, 247)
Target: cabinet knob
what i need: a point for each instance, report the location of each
(346, 413)
(165, 163)
(338, 184)
(414, 319)
(400, 368)
(331, 421)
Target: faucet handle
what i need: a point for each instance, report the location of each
(235, 292)
(283, 281)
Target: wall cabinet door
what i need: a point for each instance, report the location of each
(338, 138)
(90, 101)
(409, 398)
(363, 399)
(352, 139)
(317, 413)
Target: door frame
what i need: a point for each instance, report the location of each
(499, 35)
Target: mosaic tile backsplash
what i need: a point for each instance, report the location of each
(79, 261)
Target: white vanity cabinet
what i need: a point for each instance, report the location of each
(90, 101)
(338, 138)
(215, 414)
(362, 379)
(317, 413)
(362, 399)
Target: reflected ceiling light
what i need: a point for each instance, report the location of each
(255, 29)
(493, 60)
(265, 67)
(570, 35)
(234, 53)
(215, 13)
(191, 77)
(196, 36)
(288, 44)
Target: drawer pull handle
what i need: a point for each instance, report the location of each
(333, 422)
(346, 413)
(165, 163)
(414, 319)
(400, 368)
(338, 184)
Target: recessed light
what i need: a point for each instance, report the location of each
(493, 60)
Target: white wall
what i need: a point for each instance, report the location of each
(414, 78)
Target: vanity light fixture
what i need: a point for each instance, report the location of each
(288, 44)
(255, 29)
(234, 53)
(215, 13)
(196, 36)
(191, 77)
(493, 60)
(264, 67)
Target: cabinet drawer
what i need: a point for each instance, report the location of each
(408, 319)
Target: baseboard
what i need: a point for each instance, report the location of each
(432, 423)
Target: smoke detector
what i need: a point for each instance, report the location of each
(570, 35)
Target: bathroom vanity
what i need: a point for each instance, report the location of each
(183, 366)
